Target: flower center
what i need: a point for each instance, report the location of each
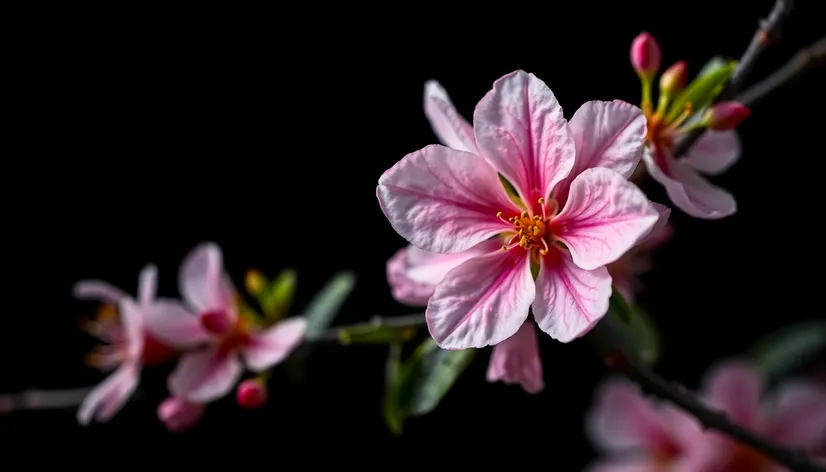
(238, 336)
(662, 132)
(530, 232)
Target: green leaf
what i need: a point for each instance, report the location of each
(511, 191)
(325, 306)
(375, 334)
(714, 64)
(785, 349)
(620, 306)
(276, 299)
(637, 336)
(701, 91)
(393, 415)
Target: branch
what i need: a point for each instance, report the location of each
(710, 419)
(813, 55)
(416, 319)
(766, 34)
(42, 399)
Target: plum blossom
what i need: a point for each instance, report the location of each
(207, 374)
(567, 218)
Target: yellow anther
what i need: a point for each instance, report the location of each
(499, 214)
(524, 214)
(535, 231)
(543, 251)
(504, 248)
(541, 201)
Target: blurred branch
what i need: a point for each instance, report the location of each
(416, 319)
(42, 399)
(708, 418)
(812, 56)
(766, 35)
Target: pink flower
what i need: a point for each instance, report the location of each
(637, 261)
(179, 415)
(572, 218)
(120, 323)
(210, 373)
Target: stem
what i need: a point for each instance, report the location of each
(710, 419)
(766, 35)
(42, 399)
(416, 319)
(808, 57)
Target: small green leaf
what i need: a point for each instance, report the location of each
(375, 334)
(511, 191)
(393, 415)
(701, 91)
(324, 307)
(714, 64)
(276, 299)
(638, 336)
(786, 348)
(620, 306)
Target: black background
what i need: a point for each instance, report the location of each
(134, 135)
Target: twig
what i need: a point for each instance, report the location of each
(416, 319)
(710, 419)
(767, 34)
(811, 56)
(42, 399)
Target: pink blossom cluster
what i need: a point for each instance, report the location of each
(213, 340)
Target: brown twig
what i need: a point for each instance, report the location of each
(42, 399)
(767, 34)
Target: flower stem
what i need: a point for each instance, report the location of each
(765, 36)
(42, 399)
(413, 320)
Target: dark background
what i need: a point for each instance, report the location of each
(138, 134)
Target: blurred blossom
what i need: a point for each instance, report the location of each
(637, 433)
(637, 261)
(570, 187)
(179, 415)
(212, 315)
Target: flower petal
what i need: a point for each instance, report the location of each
(105, 400)
(98, 290)
(631, 464)
(481, 302)
(452, 130)
(516, 360)
(660, 231)
(688, 190)
(520, 129)
(203, 376)
(798, 417)
(714, 152)
(604, 217)
(202, 279)
(134, 326)
(274, 344)
(569, 300)
(443, 200)
(173, 324)
(147, 285)
(413, 273)
(736, 388)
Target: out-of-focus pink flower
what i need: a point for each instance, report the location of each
(121, 325)
(447, 201)
(207, 374)
(251, 393)
(637, 261)
(179, 415)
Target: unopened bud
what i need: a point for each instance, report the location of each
(674, 78)
(179, 415)
(726, 115)
(255, 282)
(217, 322)
(251, 393)
(645, 55)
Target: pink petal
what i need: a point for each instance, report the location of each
(520, 129)
(607, 134)
(414, 273)
(147, 285)
(569, 300)
(481, 302)
(443, 200)
(660, 232)
(105, 400)
(604, 217)
(735, 388)
(634, 464)
(714, 152)
(452, 130)
(179, 415)
(98, 290)
(173, 324)
(202, 279)
(134, 326)
(516, 360)
(273, 345)
(798, 418)
(203, 376)
(687, 189)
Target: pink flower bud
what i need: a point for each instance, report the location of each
(726, 115)
(645, 55)
(674, 78)
(216, 322)
(251, 393)
(179, 415)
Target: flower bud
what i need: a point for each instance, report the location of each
(255, 282)
(674, 78)
(726, 115)
(217, 322)
(251, 393)
(179, 415)
(645, 55)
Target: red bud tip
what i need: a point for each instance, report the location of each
(216, 322)
(674, 78)
(179, 415)
(252, 393)
(726, 115)
(645, 55)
